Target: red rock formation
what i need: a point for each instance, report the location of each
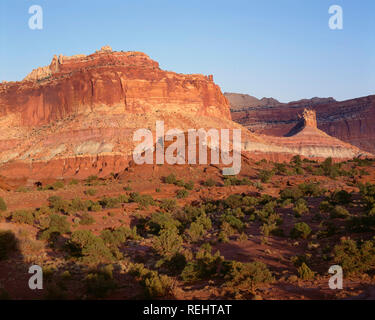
(76, 117)
(127, 80)
(351, 121)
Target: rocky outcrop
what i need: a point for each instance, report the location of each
(77, 116)
(130, 81)
(350, 120)
(242, 102)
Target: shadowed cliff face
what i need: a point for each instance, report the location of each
(351, 121)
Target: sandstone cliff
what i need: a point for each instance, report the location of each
(350, 121)
(76, 117)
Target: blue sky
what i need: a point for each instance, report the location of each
(279, 48)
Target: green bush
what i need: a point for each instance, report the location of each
(91, 192)
(168, 243)
(73, 182)
(305, 273)
(247, 276)
(100, 283)
(87, 219)
(57, 225)
(341, 197)
(118, 236)
(291, 193)
(161, 220)
(3, 206)
(155, 285)
(196, 232)
(189, 185)
(95, 207)
(181, 194)
(143, 200)
(209, 182)
(170, 179)
(204, 266)
(23, 216)
(339, 212)
(300, 208)
(90, 248)
(300, 230)
(58, 185)
(168, 204)
(265, 175)
(355, 258)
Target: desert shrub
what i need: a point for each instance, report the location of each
(339, 212)
(143, 200)
(300, 208)
(91, 192)
(280, 168)
(300, 230)
(8, 244)
(181, 194)
(196, 232)
(311, 189)
(95, 207)
(92, 180)
(291, 193)
(87, 219)
(296, 160)
(168, 243)
(204, 266)
(23, 189)
(100, 283)
(325, 206)
(188, 214)
(355, 258)
(341, 197)
(247, 276)
(73, 182)
(330, 169)
(23, 216)
(268, 229)
(299, 170)
(57, 225)
(250, 201)
(265, 175)
(116, 237)
(78, 205)
(209, 182)
(189, 185)
(235, 181)
(109, 203)
(233, 220)
(305, 273)
(176, 263)
(59, 205)
(159, 221)
(225, 232)
(233, 201)
(58, 185)
(155, 285)
(90, 248)
(170, 179)
(168, 204)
